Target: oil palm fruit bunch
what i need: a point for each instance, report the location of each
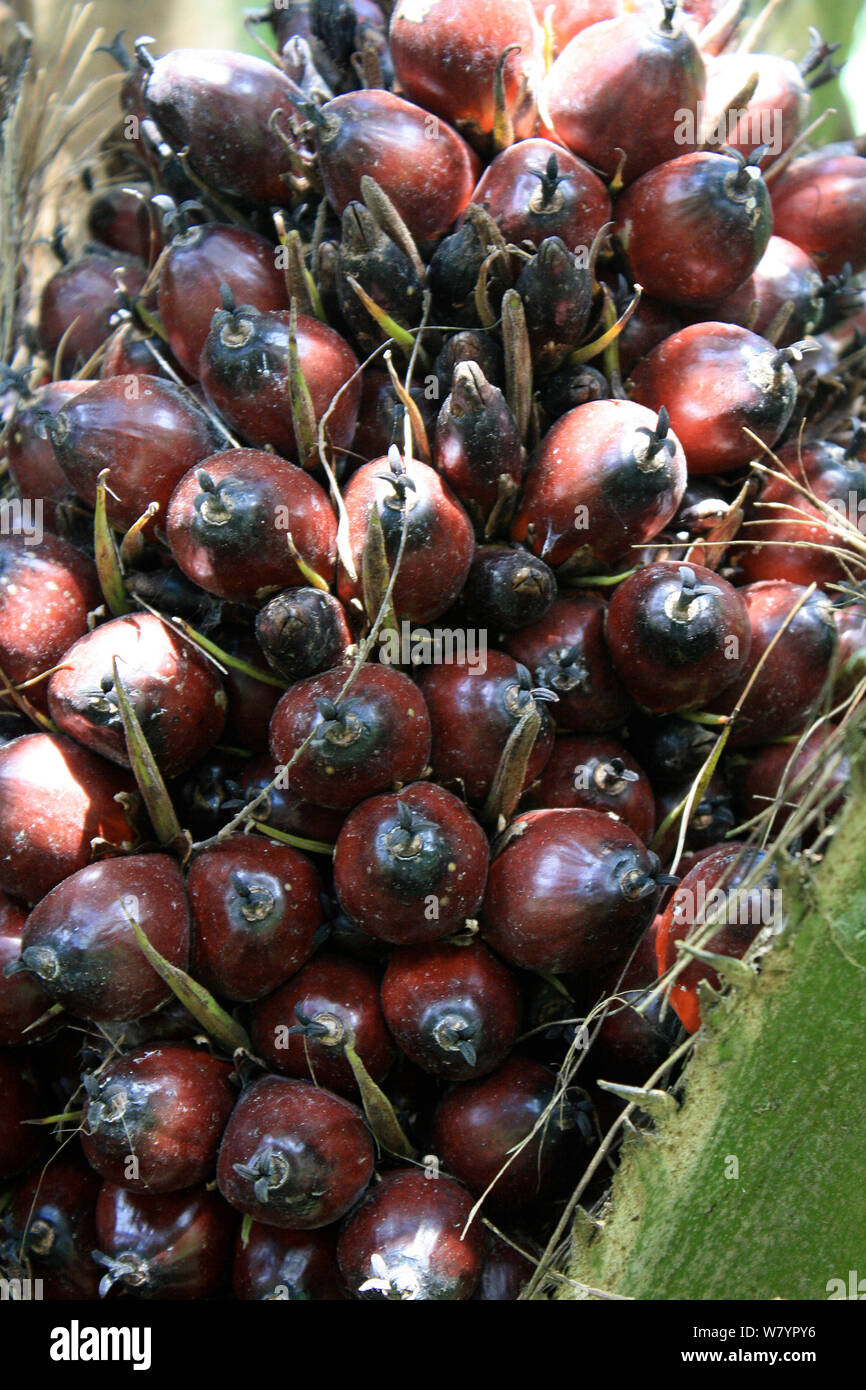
(431, 573)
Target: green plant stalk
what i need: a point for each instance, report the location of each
(754, 1188)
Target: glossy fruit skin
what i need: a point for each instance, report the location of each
(33, 466)
(784, 273)
(147, 432)
(178, 697)
(791, 535)
(781, 774)
(334, 993)
(423, 165)
(439, 997)
(47, 590)
(174, 1246)
(277, 1264)
(819, 203)
(231, 538)
(567, 653)
(691, 905)
(197, 263)
(51, 1223)
(311, 1150)
(284, 809)
(527, 206)
(20, 1102)
(22, 1002)
(596, 104)
(571, 890)
(778, 109)
(389, 1223)
(473, 714)
(165, 1106)
(128, 354)
(479, 1122)
(217, 105)
(118, 219)
(599, 484)
(439, 537)
(390, 863)
(716, 379)
(302, 632)
(255, 912)
(445, 58)
(380, 737)
(586, 773)
(794, 675)
(507, 589)
(477, 441)
(245, 367)
(504, 1275)
(677, 635)
(79, 943)
(695, 228)
(55, 797)
(85, 290)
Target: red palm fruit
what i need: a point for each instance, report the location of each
(128, 354)
(710, 894)
(177, 696)
(439, 539)
(294, 1155)
(784, 275)
(505, 1273)
(696, 227)
(302, 632)
(21, 1142)
(255, 914)
(478, 1125)
(606, 477)
(33, 466)
(556, 289)
(423, 165)
(251, 701)
(55, 798)
(790, 537)
(597, 774)
(648, 326)
(119, 219)
(446, 54)
(302, 1029)
(245, 369)
(217, 105)
(473, 713)
(196, 264)
(22, 1002)
(573, 890)
(677, 635)
(51, 1225)
(477, 447)
(409, 1240)
(773, 116)
(535, 190)
(794, 675)
(412, 866)
(285, 1265)
(229, 520)
(80, 944)
(625, 86)
(145, 430)
(366, 741)
(283, 808)
(819, 203)
(566, 652)
(78, 303)
(710, 821)
(851, 661)
(781, 774)
(153, 1119)
(47, 590)
(506, 589)
(569, 17)
(454, 1010)
(174, 1246)
(717, 380)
